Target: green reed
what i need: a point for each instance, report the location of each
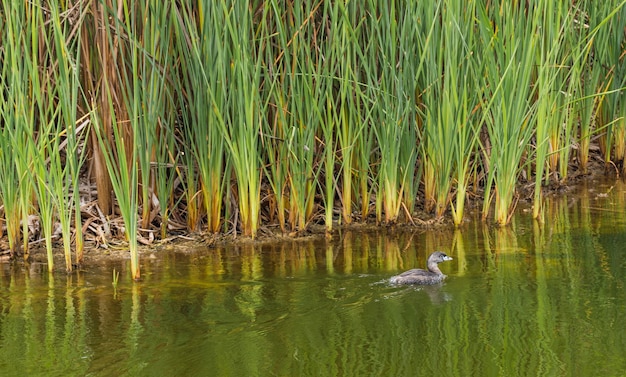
(586, 105)
(241, 121)
(72, 129)
(458, 101)
(448, 134)
(8, 176)
(203, 90)
(437, 127)
(391, 91)
(347, 106)
(330, 115)
(150, 62)
(550, 86)
(48, 173)
(281, 126)
(20, 88)
(321, 107)
(508, 53)
(120, 152)
(129, 157)
(9, 193)
(329, 159)
(121, 160)
(300, 77)
(610, 58)
(46, 205)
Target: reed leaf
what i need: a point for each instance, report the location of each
(508, 70)
(240, 122)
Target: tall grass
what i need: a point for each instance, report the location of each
(240, 123)
(449, 131)
(20, 88)
(459, 101)
(119, 150)
(297, 122)
(438, 123)
(73, 130)
(348, 105)
(204, 89)
(121, 160)
(507, 85)
(391, 90)
(231, 116)
(612, 111)
(550, 115)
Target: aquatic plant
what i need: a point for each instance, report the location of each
(507, 86)
(227, 116)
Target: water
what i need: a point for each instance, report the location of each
(519, 301)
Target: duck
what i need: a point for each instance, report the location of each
(424, 277)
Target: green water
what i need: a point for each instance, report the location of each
(520, 301)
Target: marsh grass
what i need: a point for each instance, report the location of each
(203, 89)
(297, 122)
(240, 122)
(550, 118)
(344, 104)
(508, 86)
(21, 86)
(391, 46)
(121, 159)
(229, 116)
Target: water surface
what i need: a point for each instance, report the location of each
(519, 301)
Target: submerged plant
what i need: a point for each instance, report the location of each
(116, 278)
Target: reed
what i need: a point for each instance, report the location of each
(148, 66)
(328, 164)
(119, 149)
(203, 91)
(449, 134)
(197, 147)
(347, 101)
(549, 113)
(391, 91)
(327, 110)
(240, 122)
(586, 105)
(608, 19)
(437, 147)
(196, 109)
(299, 76)
(121, 160)
(20, 87)
(128, 158)
(8, 176)
(9, 183)
(613, 109)
(71, 128)
(460, 98)
(508, 53)
(46, 205)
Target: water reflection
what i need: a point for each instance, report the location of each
(529, 299)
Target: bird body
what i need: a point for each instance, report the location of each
(425, 277)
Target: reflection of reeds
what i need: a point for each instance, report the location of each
(205, 108)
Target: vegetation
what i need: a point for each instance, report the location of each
(225, 116)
